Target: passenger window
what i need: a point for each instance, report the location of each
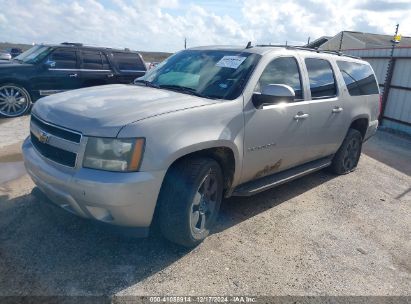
(321, 76)
(359, 78)
(129, 62)
(92, 61)
(63, 59)
(283, 70)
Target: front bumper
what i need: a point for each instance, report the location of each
(124, 199)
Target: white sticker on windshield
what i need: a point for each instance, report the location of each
(232, 62)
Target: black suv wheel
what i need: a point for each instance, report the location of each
(14, 100)
(189, 201)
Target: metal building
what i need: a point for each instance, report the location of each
(396, 108)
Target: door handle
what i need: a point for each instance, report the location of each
(337, 110)
(301, 115)
(73, 75)
(110, 75)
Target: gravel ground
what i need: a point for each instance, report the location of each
(13, 130)
(319, 235)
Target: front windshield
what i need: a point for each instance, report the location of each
(34, 55)
(211, 74)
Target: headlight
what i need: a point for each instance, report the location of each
(114, 154)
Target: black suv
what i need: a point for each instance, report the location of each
(49, 69)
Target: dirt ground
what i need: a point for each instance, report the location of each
(319, 235)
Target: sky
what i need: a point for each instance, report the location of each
(162, 25)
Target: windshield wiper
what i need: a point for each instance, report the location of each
(185, 90)
(18, 60)
(147, 83)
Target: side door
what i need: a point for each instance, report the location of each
(129, 66)
(275, 138)
(95, 68)
(327, 126)
(60, 72)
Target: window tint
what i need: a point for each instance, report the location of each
(92, 60)
(359, 78)
(129, 62)
(321, 76)
(283, 70)
(64, 59)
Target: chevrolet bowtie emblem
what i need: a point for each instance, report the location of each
(43, 137)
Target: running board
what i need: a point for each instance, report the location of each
(271, 181)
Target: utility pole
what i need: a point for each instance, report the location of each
(185, 42)
(308, 41)
(390, 71)
(341, 41)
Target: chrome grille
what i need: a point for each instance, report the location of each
(57, 131)
(56, 143)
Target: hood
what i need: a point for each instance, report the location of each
(8, 66)
(104, 110)
(13, 64)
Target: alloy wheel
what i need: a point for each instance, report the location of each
(351, 154)
(203, 205)
(14, 101)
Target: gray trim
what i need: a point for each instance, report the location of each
(134, 71)
(80, 70)
(49, 92)
(89, 70)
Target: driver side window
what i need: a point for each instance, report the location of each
(283, 70)
(63, 59)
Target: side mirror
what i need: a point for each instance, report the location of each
(272, 94)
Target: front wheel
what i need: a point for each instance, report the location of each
(189, 200)
(14, 100)
(348, 155)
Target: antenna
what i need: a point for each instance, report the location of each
(249, 46)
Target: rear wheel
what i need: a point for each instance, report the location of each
(14, 100)
(190, 200)
(348, 155)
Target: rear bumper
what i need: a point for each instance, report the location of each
(124, 199)
(372, 129)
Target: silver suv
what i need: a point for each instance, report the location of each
(207, 123)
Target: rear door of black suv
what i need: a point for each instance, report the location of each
(128, 65)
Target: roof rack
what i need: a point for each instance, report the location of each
(72, 43)
(316, 50)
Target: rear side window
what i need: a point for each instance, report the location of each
(283, 70)
(94, 61)
(359, 78)
(63, 59)
(321, 76)
(129, 62)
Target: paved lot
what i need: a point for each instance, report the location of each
(319, 235)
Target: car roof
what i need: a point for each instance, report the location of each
(89, 47)
(265, 49)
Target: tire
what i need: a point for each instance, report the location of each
(15, 100)
(348, 155)
(189, 201)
